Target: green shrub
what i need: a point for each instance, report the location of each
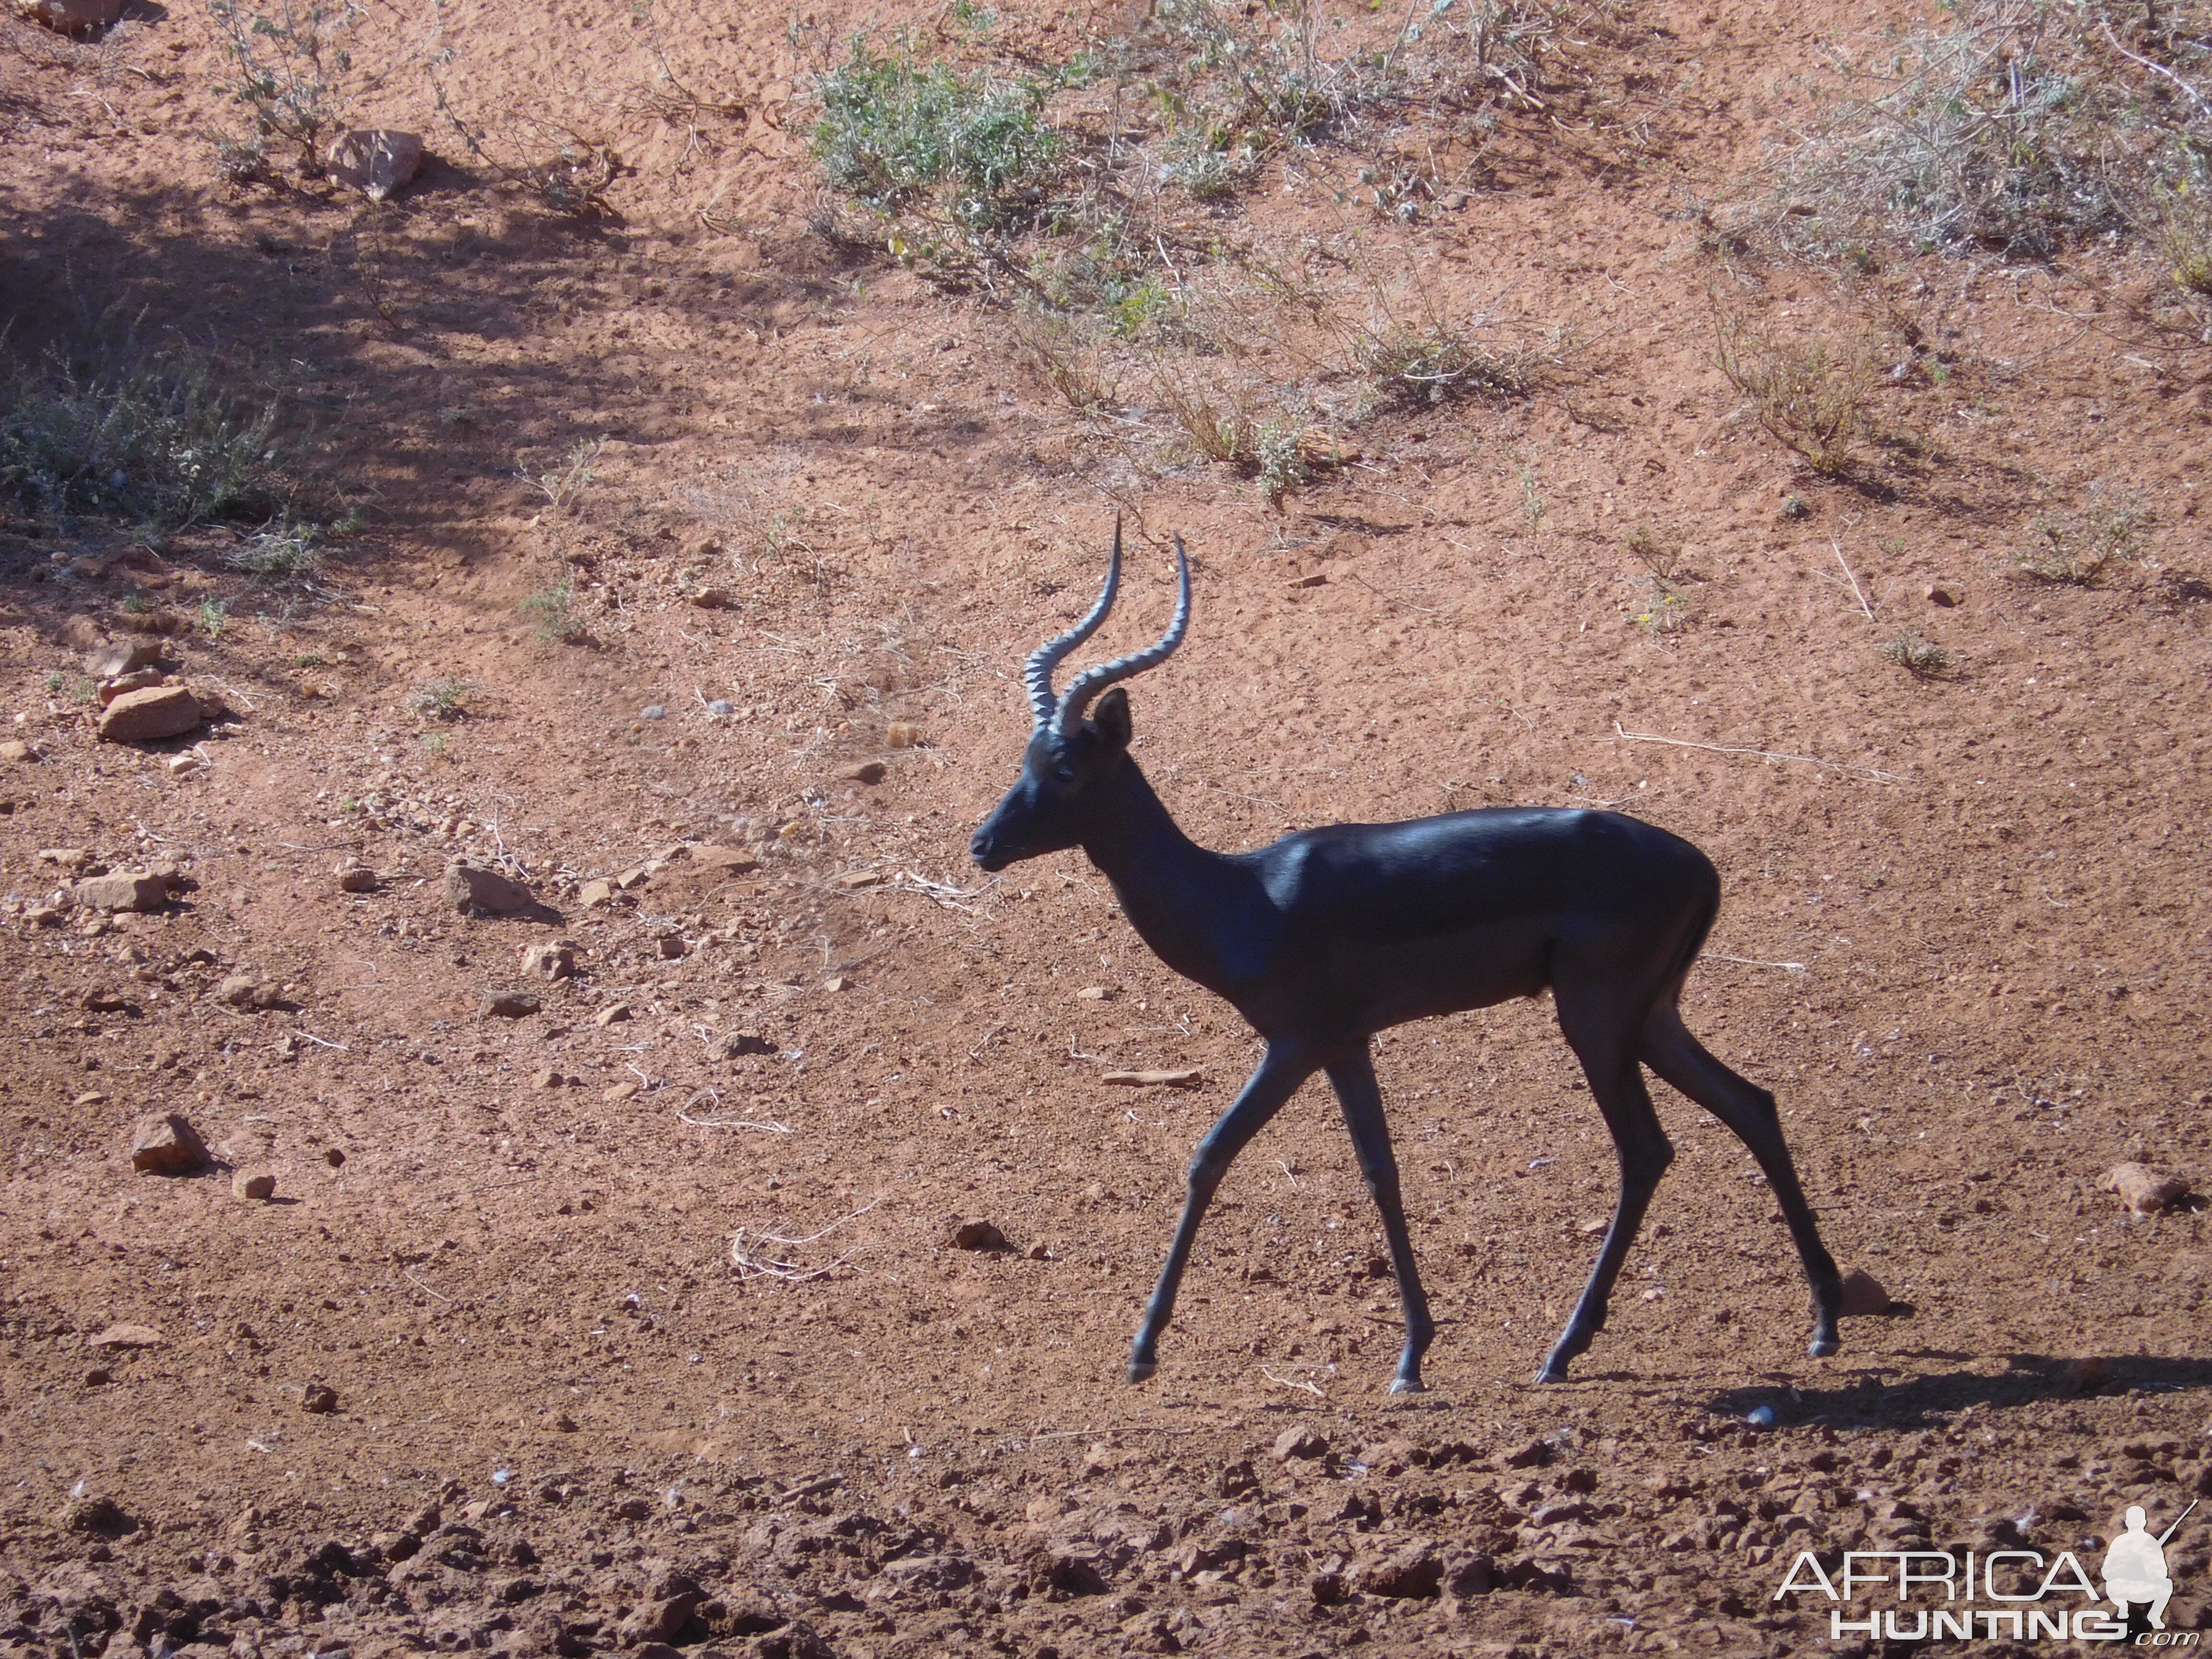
(291, 66)
(135, 436)
(893, 130)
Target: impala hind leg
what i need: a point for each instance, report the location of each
(1362, 1099)
(1281, 1070)
(1670, 1050)
(1608, 1059)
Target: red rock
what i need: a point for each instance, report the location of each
(165, 1143)
(147, 716)
(124, 890)
(473, 886)
(76, 16)
(2145, 1189)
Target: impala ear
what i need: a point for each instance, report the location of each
(1112, 718)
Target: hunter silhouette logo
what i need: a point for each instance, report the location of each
(2018, 1595)
(2135, 1566)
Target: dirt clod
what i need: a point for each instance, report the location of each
(977, 1234)
(254, 1186)
(2145, 1188)
(318, 1398)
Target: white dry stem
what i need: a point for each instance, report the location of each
(752, 1254)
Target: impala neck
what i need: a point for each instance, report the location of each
(1169, 886)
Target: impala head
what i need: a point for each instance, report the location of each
(1070, 757)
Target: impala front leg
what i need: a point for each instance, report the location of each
(1362, 1099)
(1281, 1070)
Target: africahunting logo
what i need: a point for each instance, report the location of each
(2004, 1595)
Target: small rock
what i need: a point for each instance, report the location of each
(510, 1004)
(1863, 1294)
(732, 1045)
(1413, 1573)
(245, 991)
(853, 880)
(318, 1398)
(652, 711)
(903, 734)
(183, 765)
(561, 1423)
(356, 877)
(661, 1621)
(594, 893)
(1941, 593)
(711, 599)
(165, 1143)
(147, 716)
(124, 889)
(107, 662)
(96, 1514)
(669, 947)
(137, 680)
(105, 1002)
(99, 1378)
(475, 886)
(15, 752)
(548, 1079)
(549, 961)
(69, 858)
(1300, 1443)
(720, 707)
(1096, 994)
(1186, 1080)
(837, 982)
(978, 1234)
(375, 162)
(2145, 1188)
(633, 878)
(334, 1157)
(865, 772)
(395, 1546)
(256, 1186)
(613, 1014)
(117, 1339)
(623, 1090)
(1470, 1576)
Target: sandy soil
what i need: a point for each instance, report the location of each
(650, 1327)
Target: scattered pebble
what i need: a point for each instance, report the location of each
(1941, 593)
(318, 1398)
(837, 982)
(15, 752)
(354, 877)
(1761, 1417)
(256, 1186)
(105, 662)
(596, 892)
(652, 711)
(334, 1157)
(720, 707)
(613, 1013)
(165, 1143)
(375, 162)
(624, 1090)
(732, 1045)
(1299, 1444)
(669, 947)
(1184, 1080)
(246, 991)
(547, 1080)
(977, 1234)
(510, 1004)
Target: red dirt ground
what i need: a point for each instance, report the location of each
(1965, 940)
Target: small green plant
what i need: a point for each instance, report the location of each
(1801, 392)
(1661, 608)
(1064, 358)
(434, 743)
(116, 430)
(1917, 657)
(293, 70)
(308, 660)
(894, 129)
(1532, 503)
(444, 699)
(214, 616)
(1659, 552)
(555, 611)
(132, 606)
(56, 683)
(561, 485)
(1281, 468)
(287, 550)
(2077, 550)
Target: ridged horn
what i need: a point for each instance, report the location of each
(1091, 682)
(1049, 655)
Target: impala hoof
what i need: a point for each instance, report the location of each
(1407, 1385)
(1141, 1369)
(1822, 1346)
(1554, 1372)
